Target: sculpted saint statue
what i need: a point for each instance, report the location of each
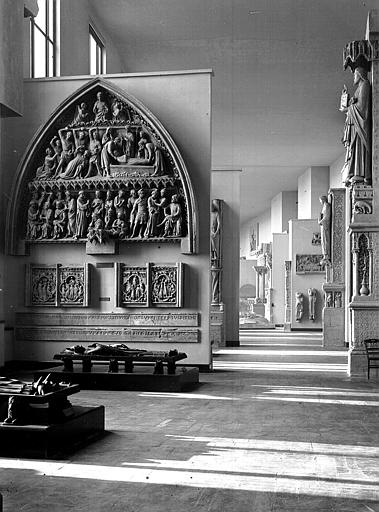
(215, 234)
(299, 306)
(324, 222)
(312, 297)
(357, 130)
(100, 109)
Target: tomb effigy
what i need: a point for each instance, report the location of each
(38, 420)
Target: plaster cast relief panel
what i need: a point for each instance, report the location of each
(73, 286)
(41, 285)
(56, 285)
(166, 285)
(309, 263)
(105, 169)
(299, 306)
(152, 285)
(132, 286)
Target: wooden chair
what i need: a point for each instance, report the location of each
(372, 352)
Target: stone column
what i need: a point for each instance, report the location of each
(217, 306)
(334, 288)
(363, 188)
(288, 295)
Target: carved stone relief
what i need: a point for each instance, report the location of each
(41, 285)
(309, 263)
(216, 251)
(150, 285)
(166, 285)
(362, 263)
(338, 235)
(133, 286)
(288, 293)
(56, 285)
(104, 168)
(171, 319)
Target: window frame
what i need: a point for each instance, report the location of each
(100, 52)
(50, 51)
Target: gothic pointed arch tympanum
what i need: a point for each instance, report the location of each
(104, 162)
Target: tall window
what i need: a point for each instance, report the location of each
(43, 40)
(96, 53)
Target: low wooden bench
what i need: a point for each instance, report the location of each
(372, 352)
(158, 357)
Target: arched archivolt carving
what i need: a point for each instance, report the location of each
(105, 143)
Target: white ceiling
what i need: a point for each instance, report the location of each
(277, 76)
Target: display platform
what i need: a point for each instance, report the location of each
(140, 380)
(52, 441)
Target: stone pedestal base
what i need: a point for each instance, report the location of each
(357, 366)
(217, 330)
(52, 441)
(334, 327)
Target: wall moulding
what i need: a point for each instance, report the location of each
(108, 334)
(170, 319)
(100, 161)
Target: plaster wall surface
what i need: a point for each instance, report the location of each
(277, 213)
(182, 103)
(289, 208)
(300, 235)
(226, 186)
(73, 40)
(335, 172)
(264, 227)
(311, 184)
(11, 55)
(283, 209)
(247, 276)
(279, 256)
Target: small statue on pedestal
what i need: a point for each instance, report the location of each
(299, 307)
(312, 297)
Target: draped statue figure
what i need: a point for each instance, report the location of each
(357, 130)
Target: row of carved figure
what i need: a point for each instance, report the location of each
(142, 213)
(58, 285)
(86, 153)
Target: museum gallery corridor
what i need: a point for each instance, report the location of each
(268, 439)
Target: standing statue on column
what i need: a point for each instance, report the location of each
(324, 222)
(312, 297)
(215, 234)
(216, 251)
(357, 130)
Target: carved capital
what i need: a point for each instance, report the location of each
(358, 54)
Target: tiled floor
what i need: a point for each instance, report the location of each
(259, 435)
